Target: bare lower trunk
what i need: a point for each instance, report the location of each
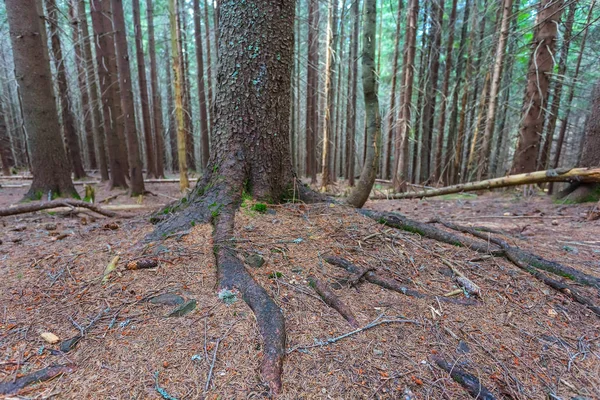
(203, 121)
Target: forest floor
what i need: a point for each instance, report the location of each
(522, 338)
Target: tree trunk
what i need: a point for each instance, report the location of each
(360, 194)
(68, 121)
(81, 65)
(171, 110)
(156, 98)
(133, 152)
(312, 91)
(95, 101)
(402, 143)
(490, 121)
(250, 152)
(109, 88)
(536, 93)
(392, 111)
(210, 83)
(49, 166)
(201, 94)
(352, 97)
(188, 120)
(178, 73)
(5, 150)
(143, 83)
(558, 86)
(437, 170)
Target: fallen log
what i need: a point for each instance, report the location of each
(35, 377)
(333, 301)
(470, 382)
(389, 284)
(32, 207)
(551, 175)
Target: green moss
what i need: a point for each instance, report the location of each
(260, 207)
(275, 275)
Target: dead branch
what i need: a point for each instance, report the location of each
(551, 175)
(466, 380)
(332, 300)
(32, 207)
(37, 376)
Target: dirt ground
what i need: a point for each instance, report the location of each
(523, 339)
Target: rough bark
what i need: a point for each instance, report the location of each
(95, 101)
(312, 94)
(172, 131)
(401, 141)
(80, 65)
(178, 94)
(203, 121)
(190, 147)
(156, 97)
(360, 194)
(210, 83)
(536, 93)
(68, 120)
(437, 169)
(352, 97)
(250, 152)
(392, 111)
(49, 166)
(109, 89)
(32, 207)
(144, 99)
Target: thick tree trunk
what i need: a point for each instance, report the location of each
(210, 82)
(133, 152)
(437, 169)
(536, 94)
(201, 93)
(392, 111)
(250, 152)
(143, 83)
(179, 117)
(95, 102)
(80, 65)
(49, 166)
(360, 194)
(68, 121)
(156, 98)
(401, 168)
(109, 89)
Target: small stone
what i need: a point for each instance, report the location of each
(183, 309)
(554, 222)
(50, 227)
(70, 344)
(50, 337)
(255, 260)
(271, 211)
(377, 352)
(463, 348)
(167, 299)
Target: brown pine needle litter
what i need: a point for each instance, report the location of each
(521, 339)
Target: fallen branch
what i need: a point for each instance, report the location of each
(552, 175)
(378, 321)
(466, 380)
(32, 207)
(35, 377)
(389, 284)
(332, 300)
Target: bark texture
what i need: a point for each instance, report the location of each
(201, 92)
(49, 166)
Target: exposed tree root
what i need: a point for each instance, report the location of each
(333, 301)
(521, 259)
(470, 382)
(35, 377)
(32, 207)
(389, 284)
(525, 257)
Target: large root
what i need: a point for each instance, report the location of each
(525, 261)
(333, 301)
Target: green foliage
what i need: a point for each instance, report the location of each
(275, 275)
(260, 207)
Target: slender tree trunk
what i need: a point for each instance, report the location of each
(352, 97)
(141, 67)
(68, 121)
(201, 94)
(437, 170)
(49, 166)
(210, 101)
(156, 98)
(476, 141)
(80, 65)
(109, 89)
(186, 87)
(312, 91)
(401, 172)
(171, 111)
(360, 194)
(540, 66)
(135, 164)
(179, 118)
(95, 108)
(488, 134)
(5, 146)
(558, 86)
